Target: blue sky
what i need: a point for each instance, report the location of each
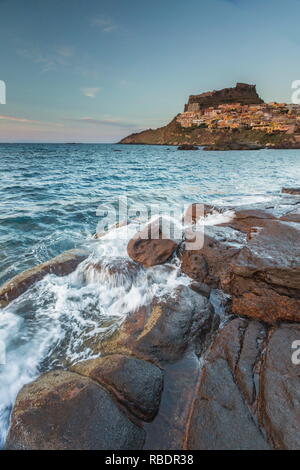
(95, 71)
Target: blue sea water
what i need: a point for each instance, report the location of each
(49, 193)
(50, 196)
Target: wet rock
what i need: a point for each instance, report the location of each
(194, 265)
(118, 271)
(61, 265)
(162, 331)
(221, 417)
(265, 276)
(152, 245)
(211, 263)
(292, 215)
(248, 219)
(197, 210)
(187, 147)
(65, 411)
(201, 288)
(293, 191)
(279, 400)
(135, 383)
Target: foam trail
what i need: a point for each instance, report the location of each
(61, 320)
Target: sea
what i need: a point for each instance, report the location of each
(55, 197)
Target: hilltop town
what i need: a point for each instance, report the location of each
(230, 115)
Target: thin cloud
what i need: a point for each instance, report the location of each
(4, 117)
(90, 92)
(47, 61)
(103, 122)
(105, 24)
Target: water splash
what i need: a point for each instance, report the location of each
(62, 320)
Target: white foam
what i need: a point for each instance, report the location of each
(61, 320)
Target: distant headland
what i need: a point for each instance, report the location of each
(228, 119)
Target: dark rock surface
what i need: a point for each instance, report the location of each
(188, 147)
(221, 417)
(65, 411)
(233, 145)
(162, 331)
(293, 191)
(136, 384)
(279, 399)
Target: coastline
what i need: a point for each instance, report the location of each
(221, 331)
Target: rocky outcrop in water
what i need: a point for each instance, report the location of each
(255, 258)
(187, 147)
(151, 246)
(135, 383)
(206, 367)
(234, 146)
(66, 411)
(61, 265)
(228, 119)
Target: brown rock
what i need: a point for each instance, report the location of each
(196, 210)
(293, 191)
(151, 246)
(248, 219)
(279, 400)
(211, 263)
(64, 411)
(61, 265)
(265, 276)
(161, 332)
(221, 418)
(135, 383)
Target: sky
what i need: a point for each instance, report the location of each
(96, 71)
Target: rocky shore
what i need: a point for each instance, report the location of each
(209, 367)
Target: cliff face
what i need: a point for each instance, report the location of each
(230, 115)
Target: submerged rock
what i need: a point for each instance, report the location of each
(65, 411)
(135, 383)
(187, 147)
(61, 265)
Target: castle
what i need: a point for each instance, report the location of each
(242, 93)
